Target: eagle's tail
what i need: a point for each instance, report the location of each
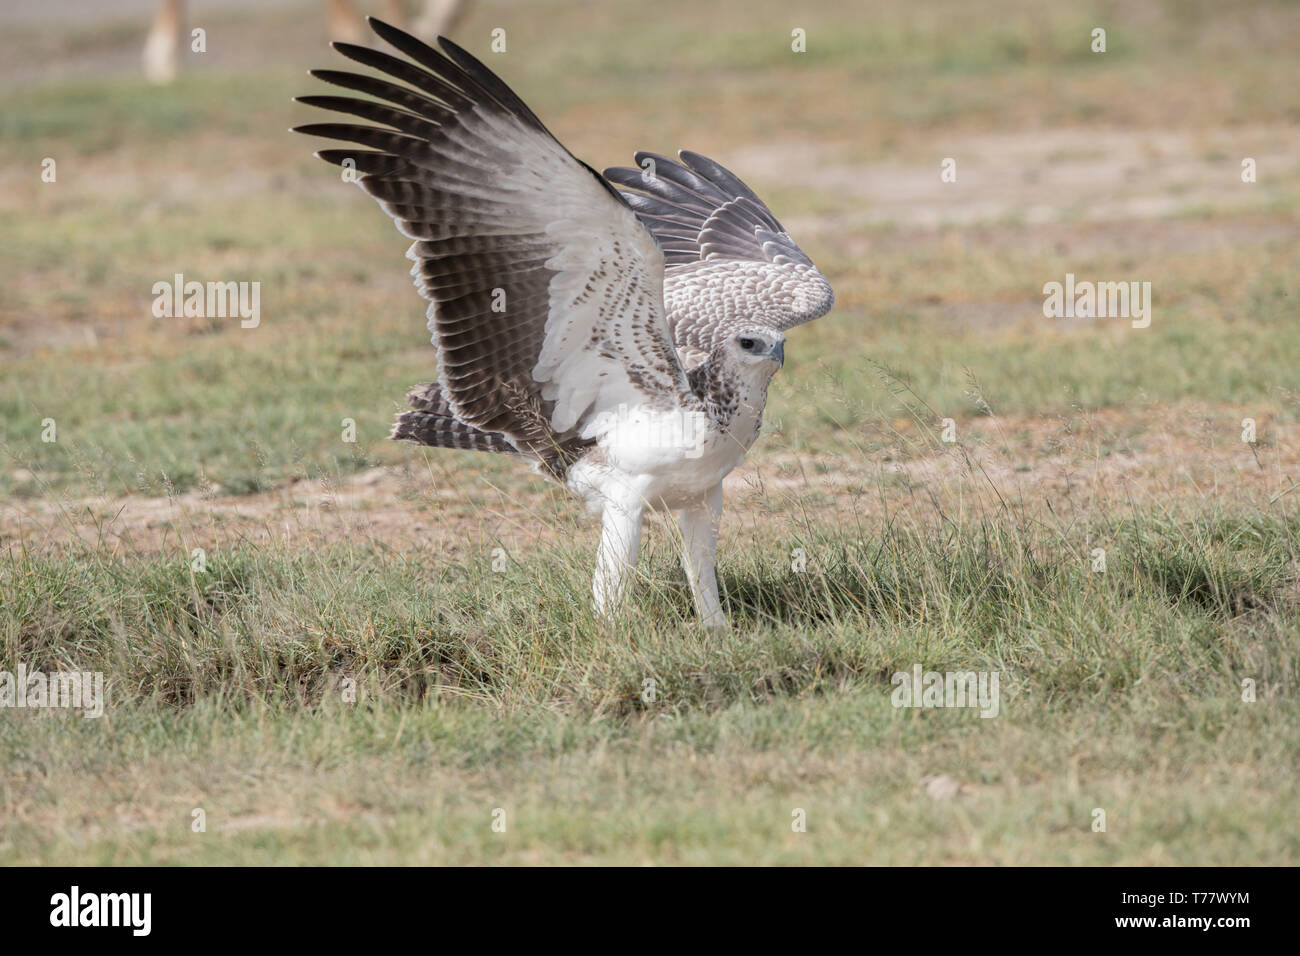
(422, 428)
(431, 422)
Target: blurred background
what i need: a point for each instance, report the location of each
(1115, 166)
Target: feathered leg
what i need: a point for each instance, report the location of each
(699, 524)
(394, 12)
(620, 542)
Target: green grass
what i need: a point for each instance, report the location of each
(246, 408)
(500, 690)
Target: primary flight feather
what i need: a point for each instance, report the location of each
(622, 340)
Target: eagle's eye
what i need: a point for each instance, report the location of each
(747, 344)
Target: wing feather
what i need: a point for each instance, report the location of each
(546, 291)
(731, 265)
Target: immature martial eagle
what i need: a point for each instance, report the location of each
(622, 341)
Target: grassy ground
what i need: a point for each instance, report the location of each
(482, 681)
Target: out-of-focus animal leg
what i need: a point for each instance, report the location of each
(439, 17)
(343, 21)
(164, 38)
(699, 524)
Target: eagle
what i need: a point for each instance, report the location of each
(617, 330)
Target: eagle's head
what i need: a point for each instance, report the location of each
(738, 372)
(759, 350)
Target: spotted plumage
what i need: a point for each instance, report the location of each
(620, 339)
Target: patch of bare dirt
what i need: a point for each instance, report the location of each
(1074, 175)
(394, 506)
(1066, 466)
(1108, 461)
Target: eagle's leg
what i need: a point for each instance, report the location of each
(620, 542)
(699, 524)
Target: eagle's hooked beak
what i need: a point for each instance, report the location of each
(778, 353)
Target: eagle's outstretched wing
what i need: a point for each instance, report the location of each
(730, 263)
(546, 291)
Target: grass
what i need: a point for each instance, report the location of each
(482, 685)
(496, 688)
